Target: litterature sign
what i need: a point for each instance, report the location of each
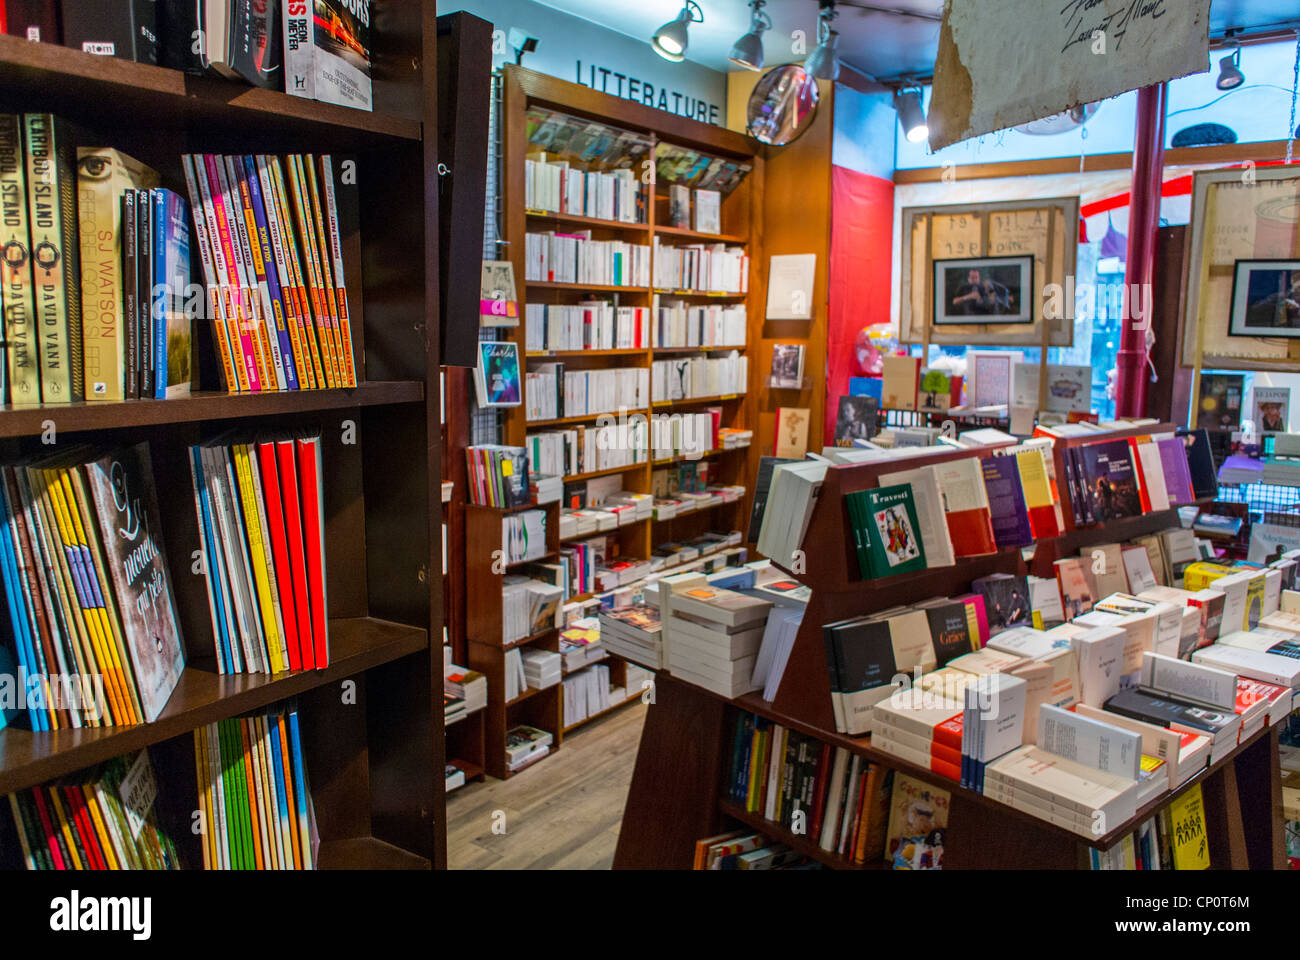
(1006, 62)
(630, 87)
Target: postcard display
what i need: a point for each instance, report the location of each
(1244, 267)
(985, 274)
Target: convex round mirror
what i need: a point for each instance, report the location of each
(782, 105)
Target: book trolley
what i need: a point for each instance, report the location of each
(679, 785)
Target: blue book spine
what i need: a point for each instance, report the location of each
(158, 293)
(22, 625)
(212, 563)
(279, 302)
(277, 773)
(176, 277)
(299, 784)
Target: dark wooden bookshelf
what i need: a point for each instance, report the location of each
(678, 791)
(375, 761)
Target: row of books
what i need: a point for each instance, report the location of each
(589, 325)
(554, 185)
(688, 378)
(1112, 479)
(155, 240)
(682, 503)
(525, 745)
(677, 165)
(523, 536)
(706, 268)
(497, 475)
(94, 820)
(576, 258)
(684, 434)
(320, 52)
(260, 508)
(551, 391)
(271, 245)
(528, 606)
(588, 449)
(742, 850)
(87, 589)
(588, 692)
(583, 143)
(678, 323)
(254, 794)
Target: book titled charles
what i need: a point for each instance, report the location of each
(126, 507)
(327, 51)
(496, 378)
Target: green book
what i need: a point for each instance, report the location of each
(886, 531)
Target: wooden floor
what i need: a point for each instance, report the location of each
(563, 813)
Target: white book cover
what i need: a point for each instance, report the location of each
(1269, 667)
(1110, 798)
(1025, 642)
(1190, 681)
(1092, 742)
(1137, 568)
(996, 704)
(1101, 663)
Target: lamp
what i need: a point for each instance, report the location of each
(748, 50)
(911, 114)
(670, 40)
(1230, 75)
(824, 62)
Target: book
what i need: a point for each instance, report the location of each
(327, 51)
(679, 214)
(935, 391)
(1090, 741)
(1200, 463)
(886, 531)
(498, 298)
(1270, 409)
(55, 255)
(496, 378)
(170, 323)
(1191, 846)
(708, 211)
(856, 419)
(932, 520)
(1007, 506)
(112, 28)
(256, 42)
(1108, 480)
(1219, 401)
(966, 506)
(787, 366)
(792, 432)
(901, 378)
(918, 821)
(104, 176)
(22, 376)
(180, 35)
(36, 21)
(1006, 601)
(762, 487)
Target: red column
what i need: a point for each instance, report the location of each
(1144, 222)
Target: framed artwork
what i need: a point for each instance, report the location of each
(1265, 299)
(984, 290)
(1031, 245)
(1244, 245)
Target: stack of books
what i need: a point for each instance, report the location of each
(542, 668)
(634, 633)
(712, 635)
(260, 509)
(925, 730)
(528, 606)
(526, 745)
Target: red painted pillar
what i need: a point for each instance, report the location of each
(1144, 222)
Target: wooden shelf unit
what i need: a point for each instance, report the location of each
(679, 795)
(376, 761)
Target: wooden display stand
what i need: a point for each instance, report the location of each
(679, 786)
(375, 758)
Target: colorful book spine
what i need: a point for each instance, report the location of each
(16, 282)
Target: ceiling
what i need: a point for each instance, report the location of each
(882, 45)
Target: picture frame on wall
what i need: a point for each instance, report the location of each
(984, 290)
(1265, 299)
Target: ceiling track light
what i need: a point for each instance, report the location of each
(670, 40)
(748, 50)
(1230, 75)
(911, 114)
(824, 62)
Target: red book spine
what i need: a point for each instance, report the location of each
(948, 734)
(942, 767)
(76, 803)
(972, 533)
(297, 553)
(1140, 474)
(50, 837)
(939, 751)
(313, 521)
(1042, 520)
(280, 550)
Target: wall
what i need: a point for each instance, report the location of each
(569, 47)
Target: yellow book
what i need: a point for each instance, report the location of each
(258, 553)
(78, 500)
(1201, 574)
(1190, 844)
(286, 770)
(97, 657)
(64, 825)
(279, 190)
(255, 484)
(205, 807)
(97, 818)
(1033, 478)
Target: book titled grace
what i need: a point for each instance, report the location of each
(126, 508)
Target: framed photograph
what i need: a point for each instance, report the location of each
(1265, 299)
(984, 290)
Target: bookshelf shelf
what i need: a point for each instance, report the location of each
(802, 844)
(724, 398)
(575, 354)
(593, 474)
(202, 697)
(367, 853)
(80, 83)
(25, 421)
(527, 695)
(708, 455)
(583, 418)
(709, 294)
(602, 713)
(699, 510)
(540, 215)
(687, 234)
(741, 348)
(584, 287)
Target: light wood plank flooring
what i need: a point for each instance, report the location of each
(562, 813)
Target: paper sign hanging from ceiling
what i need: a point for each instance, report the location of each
(1006, 62)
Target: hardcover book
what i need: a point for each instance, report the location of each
(256, 49)
(1271, 409)
(103, 176)
(36, 21)
(498, 298)
(856, 420)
